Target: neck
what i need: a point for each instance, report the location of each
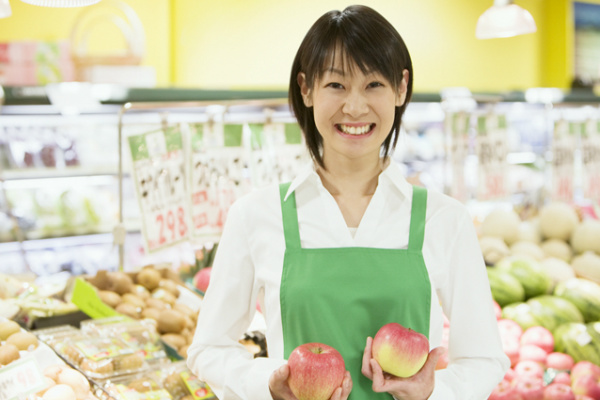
(351, 177)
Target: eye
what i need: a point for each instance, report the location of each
(375, 84)
(335, 85)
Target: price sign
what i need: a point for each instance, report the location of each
(159, 177)
(20, 379)
(457, 125)
(590, 157)
(563, 160)
(218, 175)
(491, 154)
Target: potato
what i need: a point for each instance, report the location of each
(8, 354)
(110, 298)
(23, 340)
(7, 328)
(119, 282)
(149, 278)
(171, 321)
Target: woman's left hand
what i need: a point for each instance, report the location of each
(417, 387)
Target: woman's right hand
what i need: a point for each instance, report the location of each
(280, 390)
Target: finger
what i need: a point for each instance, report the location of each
(279, 378)
(346, 386)
(433, 357)
(337, 394)
(378, 378)
(366, 361)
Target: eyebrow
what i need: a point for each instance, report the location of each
(342, 73)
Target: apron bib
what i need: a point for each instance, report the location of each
(339, 296)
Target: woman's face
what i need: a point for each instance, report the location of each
(353, 111)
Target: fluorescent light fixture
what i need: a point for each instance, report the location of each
(5, 10)
(61, 3)
(504, 19)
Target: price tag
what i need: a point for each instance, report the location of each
(86, 299)
(218, 175)
(457, 124)
(159, 177)
(20, 379)
(563, 160)
(491, 154)
(590, 154)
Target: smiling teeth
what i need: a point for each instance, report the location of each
(355, 130)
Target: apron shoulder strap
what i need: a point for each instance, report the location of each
(417, 219)
(290, 217)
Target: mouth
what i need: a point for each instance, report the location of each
(355, 130)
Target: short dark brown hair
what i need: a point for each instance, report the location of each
(366, 39)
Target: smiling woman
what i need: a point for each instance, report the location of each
(349, 245)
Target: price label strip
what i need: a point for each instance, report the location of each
(563, 160)
(20, 379)
(491, 154)
(218, 175)
(158, 163)
(590, 150)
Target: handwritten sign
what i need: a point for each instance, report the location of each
(563, 160)
(590, 157)
(20, 379)
(159, 178)
(491, 153)
(457, 126)
(218, 174)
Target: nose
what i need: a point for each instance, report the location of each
(355, 104)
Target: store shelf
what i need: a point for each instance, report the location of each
(67, 172)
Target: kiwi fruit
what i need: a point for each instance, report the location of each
(130, 362)
(156, 303)
(23, 340)
(170, 286)
(164, 295)
(174, 340)
(141, 292)
(103, 367)
(133, 299)
(8, 353)
(150, 312)
(143, 385)
(7, 328)
(119, 282)
(149, 278)
(110, 298)
(170, 321)
(128, 309)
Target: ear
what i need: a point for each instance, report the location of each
(304, 89)
(401, 98)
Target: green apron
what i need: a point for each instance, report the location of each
(339, 296)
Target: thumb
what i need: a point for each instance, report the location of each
(434, 356)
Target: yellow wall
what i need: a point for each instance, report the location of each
(242, 44)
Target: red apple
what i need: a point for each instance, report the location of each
(504, 391)
(202, 279)
(529, 368)
(530, 388)
(562, 377)
(511, 348)
(534, 353)
(561, 361)
(497, 310)
(584, 368)
(558, 391)
(582, 397)
(510, 375)
(538, 336)
(509, 328)
(400, 351)
(316, 370)
(588, 385)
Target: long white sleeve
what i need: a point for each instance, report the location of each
(215, 355)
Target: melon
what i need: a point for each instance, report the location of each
(586, 237)
(587, 265)
(522, 314)
(584, 294)
(529, 273)
(557, 248)
(553, 311)
(528, 249)
(529, 231)
(506, 289)
(578, 341)
(502, 223)
(557, 221)
(493, 249)
(558, 270)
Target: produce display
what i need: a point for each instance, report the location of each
(544, 274)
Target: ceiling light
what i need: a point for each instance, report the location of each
(5, 9)
(504, 19)
(61, 3)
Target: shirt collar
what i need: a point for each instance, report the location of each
(392, 174)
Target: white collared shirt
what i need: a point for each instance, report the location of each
(249, 262)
